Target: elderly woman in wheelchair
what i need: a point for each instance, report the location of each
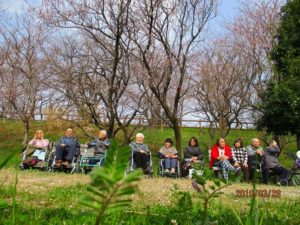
(169, 164)
(35, 151)
(140, 155)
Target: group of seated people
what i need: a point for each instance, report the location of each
(66, 147)
(247, 159)
(167, 153)
(222, 156)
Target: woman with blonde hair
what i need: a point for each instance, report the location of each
(35, 150)
(38, 141)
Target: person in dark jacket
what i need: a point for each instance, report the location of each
(141, 153)
(192, 154)
(66, 148)
(271, 162)
(255, 153)
(101, 144)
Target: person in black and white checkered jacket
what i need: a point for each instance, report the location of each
(240, 157)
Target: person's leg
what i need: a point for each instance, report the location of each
(224, 172)
(58, 156)
(167, 163)
(224, 168)
(70, 153)
(173, 163)
(226, 164)
(137, 157)
(144, 158)
(59, 153)
(251, 171)
(266, 175)
(245, 172)
(282, 172)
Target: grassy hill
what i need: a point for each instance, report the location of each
(54, 198)
(11, 135)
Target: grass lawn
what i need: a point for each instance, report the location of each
(11, 135)
(54, 198)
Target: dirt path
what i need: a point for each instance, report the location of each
(153, 190)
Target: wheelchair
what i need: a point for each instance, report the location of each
(132, 165)
(35, 158)
(161, 169)
(73, 165)
(90, 159)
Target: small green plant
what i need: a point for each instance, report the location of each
(255, 216)
(207, 188)
(3, 203)
(182, 206)
(110, 188)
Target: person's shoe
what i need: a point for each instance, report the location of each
(65, 164)
(167, 171)
(237, 170)
(57, 164)
(173, 171)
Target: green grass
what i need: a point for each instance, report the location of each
(61, 205)
(11, 135)
(44, 202)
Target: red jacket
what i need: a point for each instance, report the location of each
(215, 154)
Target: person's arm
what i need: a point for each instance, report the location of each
(250, 151)
(146, 149)
(233, 155)
(245, 157)
(228, 152)
(273, 150)
(175, 155)
(59, 142)
(133, 147)
(45, 143)
(160, 154)
(32, 142)
(187, 153)
(200, 155)
(214, 153)
(92, 144)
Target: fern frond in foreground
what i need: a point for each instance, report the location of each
(110, 188)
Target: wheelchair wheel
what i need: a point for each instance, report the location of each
(284, 182)
(295, 179)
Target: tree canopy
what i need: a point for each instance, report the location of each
(281, 100)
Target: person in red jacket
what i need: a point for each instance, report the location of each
(220, 156)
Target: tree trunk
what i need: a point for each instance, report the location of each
(298, 141)
(126, 141)
(26, 132)
(177, 132)
(110, 130)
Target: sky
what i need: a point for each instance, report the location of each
(17, 5)
(226, 9)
